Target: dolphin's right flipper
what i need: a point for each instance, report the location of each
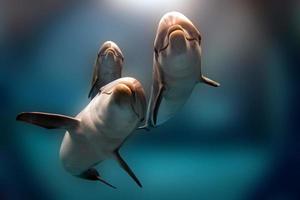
(124, 165)
(93, 175)
(49, 120)
(155, 97)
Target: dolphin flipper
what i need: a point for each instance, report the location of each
(94, 89)
(124, 165)
(93, 175)
(155, 97)
(49, 120)
(208, 81)
(157, 104)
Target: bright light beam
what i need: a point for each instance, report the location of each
(148, 7)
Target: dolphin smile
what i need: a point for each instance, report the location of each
(108, 51)
(114, 51)
(173, 29)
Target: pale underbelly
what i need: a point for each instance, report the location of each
(80, 153)
(173, 98)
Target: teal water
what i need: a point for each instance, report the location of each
(226, 143)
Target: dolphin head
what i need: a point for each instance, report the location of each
(124, 105)
(110, 56)
(175, 34)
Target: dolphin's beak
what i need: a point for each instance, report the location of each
(177, 40)
(175, 28)
(122, 94)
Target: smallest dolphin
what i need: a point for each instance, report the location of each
(107, 68)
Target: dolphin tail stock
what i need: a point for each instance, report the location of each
(93, 175)
(208, 81)
(126, 168)
(49, 120)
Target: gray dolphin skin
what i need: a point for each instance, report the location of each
(176, 67)
(99, 130)
(108, 66)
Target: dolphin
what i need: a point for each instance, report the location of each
(108, 66)
(176, 67)
(99, 130)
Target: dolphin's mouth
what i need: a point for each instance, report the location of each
(113, 51)
(171, 30)
(109, 50)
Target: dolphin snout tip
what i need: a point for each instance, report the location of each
(177, 39)
(122, 90)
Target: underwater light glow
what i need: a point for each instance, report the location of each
(149, 6)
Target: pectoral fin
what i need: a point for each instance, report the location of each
(95, 79)
(93, 175)
(124, 165)
(93, 92)
(209, 81)
(48, 120)
(156, 104)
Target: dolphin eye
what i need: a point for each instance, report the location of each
(199, 39)
(156, 53)
(122, 58)
(134, 96)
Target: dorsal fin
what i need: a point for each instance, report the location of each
(49, 120)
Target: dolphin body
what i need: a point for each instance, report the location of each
(108, 66)
(176, 67)
(99, 130)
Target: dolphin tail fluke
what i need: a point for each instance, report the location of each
(209, 81)
(49, 120)
(93, 175)
(124, 165)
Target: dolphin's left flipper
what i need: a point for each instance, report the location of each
(95, 80)
(93, 175)
(92, 92)
(209, 81)
(49, 120)
(124, 165)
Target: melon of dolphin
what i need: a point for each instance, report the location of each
(108, 66)
(99, 130)
(176, 67)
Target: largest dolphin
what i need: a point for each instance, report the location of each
(99, 130)
(176, 67)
